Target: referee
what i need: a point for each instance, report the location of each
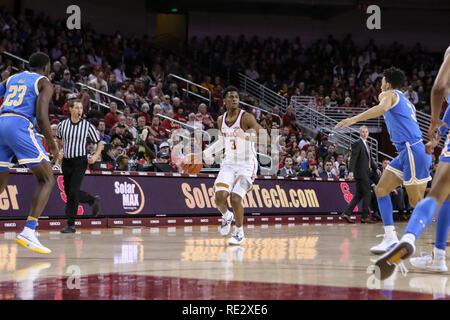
(72, 134)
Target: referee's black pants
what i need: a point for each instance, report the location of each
(74, 170)
(362, 193)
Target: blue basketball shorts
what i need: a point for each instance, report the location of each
(412, 165)
(18, 138)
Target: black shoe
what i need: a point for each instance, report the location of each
(96, 206)
(367, 220)
(68, 229)
(346, 218)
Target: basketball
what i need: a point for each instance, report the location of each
(191, 164)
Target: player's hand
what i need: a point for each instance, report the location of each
(433, 130)
(429, 147)
(379, 172)
(345, 123)
(92, 159)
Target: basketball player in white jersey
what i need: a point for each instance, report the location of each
(238, 131)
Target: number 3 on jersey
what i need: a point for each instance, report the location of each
(15, 96)
(233, 144)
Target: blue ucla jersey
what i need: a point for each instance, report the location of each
(401, 122)
(21, 94)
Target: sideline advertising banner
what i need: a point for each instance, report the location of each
(124, 195)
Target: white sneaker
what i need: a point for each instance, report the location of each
(430, 263)
(28, 239)
(387, 244)
(386, 265)
(236, 238)
(225, 227)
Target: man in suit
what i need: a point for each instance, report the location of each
(361, 164)
(288, 169)
(326, 173)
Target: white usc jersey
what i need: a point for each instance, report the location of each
(237, 150)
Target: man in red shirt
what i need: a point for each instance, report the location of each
(157, 131)
(111, 117)
(170, 125)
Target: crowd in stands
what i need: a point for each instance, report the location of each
(132, 118)
(338, 73)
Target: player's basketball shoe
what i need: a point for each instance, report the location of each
(27, 239)
(227, 219)
(389, 241)
(236, 238)
(388, 262)
(430, 263)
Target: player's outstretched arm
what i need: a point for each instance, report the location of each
(45, 95)
(387, 101)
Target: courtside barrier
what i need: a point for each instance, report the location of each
(163, 195)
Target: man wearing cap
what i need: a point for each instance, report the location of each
(162, 163)
(67, 85)
(164, 147)
(312, 170)
(361, 164)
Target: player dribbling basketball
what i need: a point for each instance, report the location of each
(238, 135)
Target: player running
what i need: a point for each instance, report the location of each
(439, 196)
(411, 166)
(27, 95)
(238, 135)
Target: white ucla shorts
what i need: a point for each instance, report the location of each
(236, 178)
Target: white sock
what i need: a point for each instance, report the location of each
(409, 237)
(239, 230)
(438, 253)
(390, 231)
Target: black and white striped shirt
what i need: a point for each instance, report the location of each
(74, 137)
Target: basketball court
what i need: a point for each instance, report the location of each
(277, 261)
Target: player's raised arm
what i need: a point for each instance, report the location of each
(42, 102)
(387, 101)
(437, 94)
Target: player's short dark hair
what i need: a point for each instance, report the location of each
(38, 60)
(72, 102)
(395, 77)
(229, 89)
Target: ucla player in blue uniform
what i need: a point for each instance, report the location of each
(26, 99)
(439, 196)
(411, 166)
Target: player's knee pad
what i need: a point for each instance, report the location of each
(242, 186)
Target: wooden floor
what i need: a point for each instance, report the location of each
(275, 262)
